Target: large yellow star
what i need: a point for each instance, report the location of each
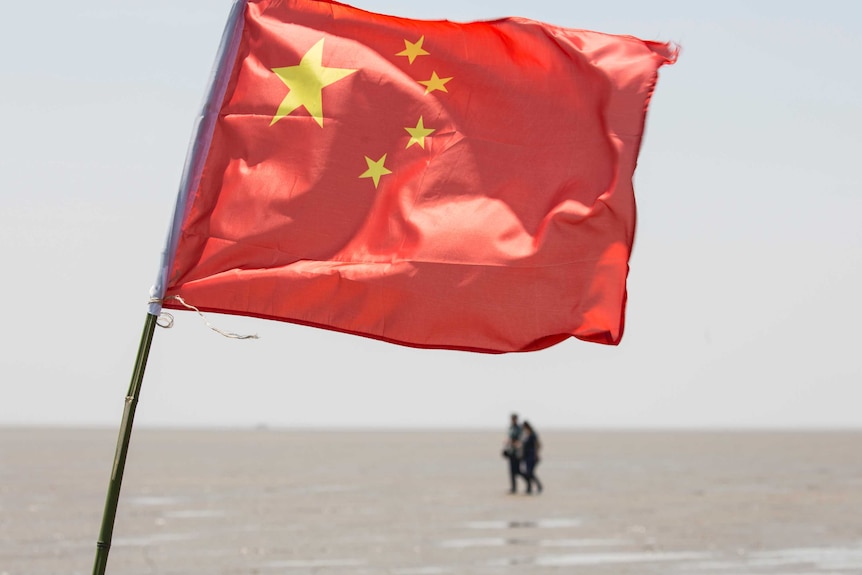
(413, 49)
(306, 82)
(418, 134)
(435, 83)
(375, 169)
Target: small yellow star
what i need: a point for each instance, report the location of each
(435, 83)
(418, 134)
(375, 169)
(413, 49)
(306, 81)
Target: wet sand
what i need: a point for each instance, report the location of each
(425, 503)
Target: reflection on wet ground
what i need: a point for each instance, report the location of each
(422, 504)
(552, 523)
(598, 552)
(544, 543)
(313, 563)
(422, 571)
(782, 561)
(154, 500)
(580, 542)
(829, 559)
(595, 559)
(479, 542)
(152, 539)
(503, 542)
(194, 513)
(822, 560)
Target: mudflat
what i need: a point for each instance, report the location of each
(433, 502)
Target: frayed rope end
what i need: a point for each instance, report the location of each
(166, 320)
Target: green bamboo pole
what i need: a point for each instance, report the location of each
(103, 545)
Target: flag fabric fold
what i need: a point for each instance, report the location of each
(427, 183)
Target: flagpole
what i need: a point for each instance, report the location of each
(103, 545)
(198, 148)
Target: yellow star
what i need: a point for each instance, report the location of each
(375, 169)
(413, 49)
(306, 82)
(417, 134)
(435, 83)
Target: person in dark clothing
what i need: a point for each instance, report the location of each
(512, 452)
(531, 447)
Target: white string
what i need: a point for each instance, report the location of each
(165, 317)
(169, 319)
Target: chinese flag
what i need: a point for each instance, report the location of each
(427, 183)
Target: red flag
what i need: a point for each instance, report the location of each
(427, 183)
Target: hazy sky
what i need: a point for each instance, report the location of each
(745, 279)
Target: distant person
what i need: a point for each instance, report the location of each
(512, 452)
(530, 452)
